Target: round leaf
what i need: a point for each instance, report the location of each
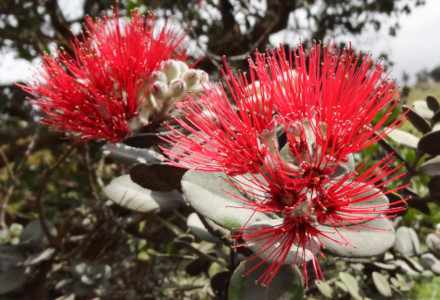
(430, 143)
(422, 109)
(324, 288)
(285, 285)
(416, 120)
(433, 243)
(432, 103)
(12, 279)
(351, 284)
(431, 167)
(404, 138)
(199, 230)
(295, 253)
(125, 192)
(430, 262)
(373, 238)
(407, 243)
(211, 196)
(382, 284)
(434, 186)
(131, 156)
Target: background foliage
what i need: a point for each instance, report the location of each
(77, 244)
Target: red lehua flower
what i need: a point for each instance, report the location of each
(334, 99)
(307, 216)
(324, 108)
(97, 90)
(226, 138)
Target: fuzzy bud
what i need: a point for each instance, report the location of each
(177, 87)
(158, 76)
(171, 69)
(159, 90)
(191, 77)
(4, 236)
(15, 229)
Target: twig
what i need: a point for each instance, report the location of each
(90, 180)
(14, 178)
(43, 185)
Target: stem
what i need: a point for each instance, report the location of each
(43, 185)
(14, 178)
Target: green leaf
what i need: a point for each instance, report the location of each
(39, 257)
(324, 288)
(404, 138)
(287, 283)
(432, 103)
(12, 279)
(430, 262)
(213, 197)
(431, 167)
(295, 254)
(433, 243)
(352, 285)
(407, 243)
(416, 120)
(382, 284)
(422, 109)
(364, 241)
(126, 193)
(131, 156)
(33, 233)
(430, 143)
(199, 230)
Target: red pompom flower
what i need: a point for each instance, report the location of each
(95, 92)
(286, 143)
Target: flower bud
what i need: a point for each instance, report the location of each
(4, 236)
(171, 69)
(15, 229)
(191, 77)
(159, 90)
(158, 76)
(183, 67)
(177, 87)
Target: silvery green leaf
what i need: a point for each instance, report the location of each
(131, 155)
(409, 266)
(11, 279)
(199, 230)
(344, 167)
(79, 268)
(10, 256)
(431, 167)
(433, 243)
(404, 138)
(430, 262)
(359, 241)
(324, 288)
(123, 191)
(379, 199)
(39, 257)
(211, 196)
(407, 243)
(382, 285)
(286, 284)
(294, 251)
(352, 285)
(33, 233)
(383, 266)
(422, 109)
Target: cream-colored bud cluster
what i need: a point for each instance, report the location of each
(165, 87)
(11, 234)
